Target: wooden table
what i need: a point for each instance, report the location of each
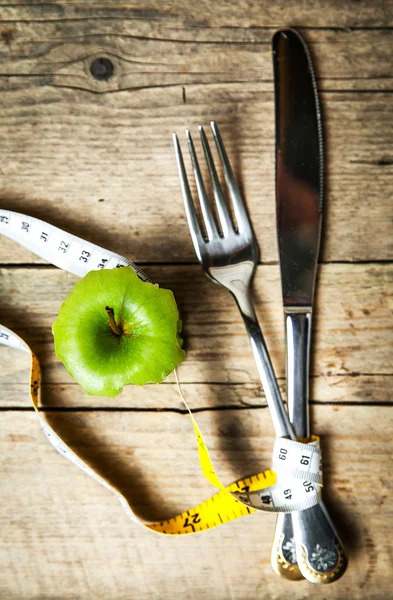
(94, 156)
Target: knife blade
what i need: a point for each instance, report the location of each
(299, 197)
(307, 543)
(299, 168)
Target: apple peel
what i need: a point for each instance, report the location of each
(115, 329)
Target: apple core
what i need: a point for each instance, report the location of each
(115, 329)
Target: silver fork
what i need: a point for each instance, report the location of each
(229, 256)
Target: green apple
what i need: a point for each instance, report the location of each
(115, 329)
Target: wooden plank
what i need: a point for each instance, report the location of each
(352, 344)
(65, 536)
(332, 389)
(103, 168)
(145, 56)
(183, 14)
(95, 158)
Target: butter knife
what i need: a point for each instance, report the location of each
(306, 543)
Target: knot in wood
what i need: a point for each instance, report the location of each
(102, 68)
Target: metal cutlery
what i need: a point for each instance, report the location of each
(229, 256)
(308, 535)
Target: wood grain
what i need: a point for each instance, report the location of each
(333, 389)
(118, 185)
(184, 13)
(104, 147)
(145, 56)
(353, 334)
(96, 158)
(64, 523)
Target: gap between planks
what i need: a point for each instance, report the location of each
(179, 411)
(42, 266)
(269, 28)
(183, 86)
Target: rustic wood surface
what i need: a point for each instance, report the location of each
(63, 536)
(95, 158)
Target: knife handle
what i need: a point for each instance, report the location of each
(298, 338)
(320, 554)
(306, 543)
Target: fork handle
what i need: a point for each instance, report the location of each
(278, 413)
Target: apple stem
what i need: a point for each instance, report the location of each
(112, 323)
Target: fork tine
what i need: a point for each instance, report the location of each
(196, 235)
(203, 198)
(237, 201)
(223, 215)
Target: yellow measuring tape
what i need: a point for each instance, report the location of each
(219, 509)
(292, 484)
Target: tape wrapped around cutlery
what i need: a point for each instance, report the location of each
(294, 481)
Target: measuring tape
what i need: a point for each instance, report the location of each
(292, 484)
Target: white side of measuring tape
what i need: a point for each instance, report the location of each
(299, 478)
(297, 465)
(60, 248)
